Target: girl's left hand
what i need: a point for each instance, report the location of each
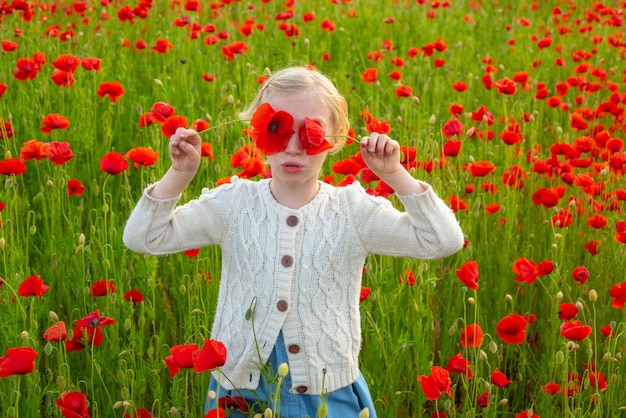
(380, 153)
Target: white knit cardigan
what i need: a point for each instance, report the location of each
(302, 267)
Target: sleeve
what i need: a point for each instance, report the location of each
(159, 226)
(427, 229)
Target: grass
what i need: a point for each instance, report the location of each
(73, 241)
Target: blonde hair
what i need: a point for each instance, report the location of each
(297, 79)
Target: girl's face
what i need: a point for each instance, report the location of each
(293, 166)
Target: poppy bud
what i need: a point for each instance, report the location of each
(607, 357)
(508, 297)
(307, 43)
(2, 243)
(33, 229)
(117, 405)
(593, 295)
(81, 239)
(158, 82)
(365, 413)
(559, 295)
(503, 402)
(24, 335)
(471, 301)
(10, 412)
(268, 413)
(283, 369)
(415, 100)
(482, 356)
(493, 347)
(211, 394)
(432, 120)
(559, 357)
(60, 382)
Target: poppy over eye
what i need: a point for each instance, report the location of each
(312, 137)
(270, 130)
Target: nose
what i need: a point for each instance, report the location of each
(294, 147)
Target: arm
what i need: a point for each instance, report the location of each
(185, 153)
(431, 229)
(382, 156)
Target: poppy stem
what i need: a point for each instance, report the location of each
(219, 125)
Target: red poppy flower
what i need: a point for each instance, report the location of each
(62, 78)
(207, 150)
(235, 402)
(53, 121)
(527, 414)
(216, 413)
(75, 187)
(57, 152)
(66, 62)
(618, 293)
(55, 332)
(172, 123)
(552, 388)
(162, 111)
(113, 163)
(73, 405)
(93, 319)
(472, 336)
(506, 86)
(113, 89)
(181, 357)
(133, 296)
(452, 127)
(459, 86)
(437, 383)
(12, 167)
(19, 360)
(140, 413)
(451, 147)
(607, 331)
(408, 278)
(102, 288)
(236, 48)
(32, 286)
(365, 293)
(8, 46)
(575, 330)
(192, 253)
(3, 88)
(512, 329)
(369, 75)
(27, 69)
(91, 64)
(459, 364)
(142, 156)
(526, 270)
(328, 25)
(211, 356)
(580, 274)
(499, 379)
(270, 130)
(312, 137)
(83, 336)
(597, 221)
(480, 168)
(404, 91)
(567, 311)
(162, 45)
(468, 274)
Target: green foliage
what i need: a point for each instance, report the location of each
(73, 241)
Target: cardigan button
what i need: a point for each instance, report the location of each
(294, 348)
(286, 261)
(302, 389)
(292, 220)
(282, 305)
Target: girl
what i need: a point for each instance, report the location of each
(293, 247)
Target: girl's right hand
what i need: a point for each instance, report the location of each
(185, 150)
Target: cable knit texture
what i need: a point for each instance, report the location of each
(302, 267)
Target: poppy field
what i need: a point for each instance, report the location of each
(514, 111)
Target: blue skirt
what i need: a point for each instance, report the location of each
(348, 401)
